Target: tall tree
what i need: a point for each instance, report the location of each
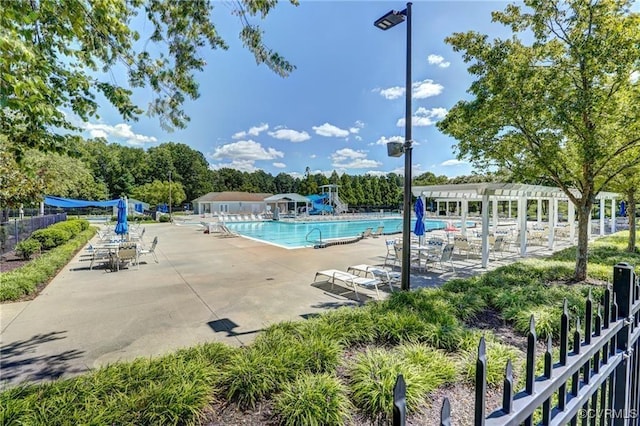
(563, 107)
(58, 55)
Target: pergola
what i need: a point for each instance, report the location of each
(489, 194)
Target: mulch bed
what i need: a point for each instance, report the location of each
(10, 261)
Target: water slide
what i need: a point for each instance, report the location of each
(318, 205)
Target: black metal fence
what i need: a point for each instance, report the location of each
(595, 383)
(16, 230)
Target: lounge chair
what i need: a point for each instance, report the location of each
(367, 233)
(376, 272)
(352, 280)
(224, 231)
(378, 232)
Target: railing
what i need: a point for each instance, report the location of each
(340, 206)
(310, 232)
(597, 382)
(16, 230)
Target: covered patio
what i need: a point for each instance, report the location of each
(512, 195)
(283, 200)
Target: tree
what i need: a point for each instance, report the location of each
(17, 184)
(59, 56)
(563, 107)
(628, 184)
(157, 192)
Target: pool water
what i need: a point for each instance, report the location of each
(307, 234)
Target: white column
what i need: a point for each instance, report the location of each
(602, 216)
(494, 212)
(539, 213)
(572, 222)
(509, 208)
(465, 210)
(437, 208)
(485, 230)
(613, 216)
(41, 208)
(522, 221)
(553, 210)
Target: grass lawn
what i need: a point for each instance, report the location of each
(336, 368)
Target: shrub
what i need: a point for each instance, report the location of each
(430, 362)
(51, 237)
(165, 218)
(313, 400)
(373, 375)
(346, 325)
(497, 356)
(73, 227)
(28, 248)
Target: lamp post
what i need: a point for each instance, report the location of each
(395, 149)
(170, 221)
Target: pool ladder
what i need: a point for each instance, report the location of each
(310, 232)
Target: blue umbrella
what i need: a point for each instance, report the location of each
(623, 209)
(121, 226)
(419, 208)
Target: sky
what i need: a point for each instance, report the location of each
(341, 105)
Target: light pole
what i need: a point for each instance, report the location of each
(170, 221)
(395, 149)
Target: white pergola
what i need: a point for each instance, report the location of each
(492, 193)
(285, 199)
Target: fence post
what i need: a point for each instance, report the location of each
(623, 286)
(399, 402)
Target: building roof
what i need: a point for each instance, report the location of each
(232, 196)
(288, 197)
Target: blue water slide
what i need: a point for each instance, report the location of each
(318, 205)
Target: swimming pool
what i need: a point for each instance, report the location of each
(294, 234)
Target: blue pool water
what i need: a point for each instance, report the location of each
(306, 234)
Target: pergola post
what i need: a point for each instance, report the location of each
(509, 201)
(572, 222)
(465, 210)
(485, 230)
(522, 223)
(613, 215)
(539, 211)
(602, 216)
(494, 213)
(553, 209)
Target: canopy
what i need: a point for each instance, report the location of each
(69, 202)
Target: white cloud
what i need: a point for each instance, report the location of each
(290, 135)
(384, 140)
(438, 60)
(279, 165)
(312, 156)
(426, 89)
(425, 117)
(391, 92)
(634, 77)
(376, 173)
(329, 130)
(453, 162)
(253, 131)
(245, 151)
(356, 127)
(120, 131)
(348, 158)
(358, 137)
(242, 165)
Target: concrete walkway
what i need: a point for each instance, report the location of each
(204, 288)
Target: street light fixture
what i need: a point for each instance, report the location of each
(390, 20)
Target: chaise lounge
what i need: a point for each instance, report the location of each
(349, 279)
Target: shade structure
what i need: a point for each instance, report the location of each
(121, 225)
(419, 209)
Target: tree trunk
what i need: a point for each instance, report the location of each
(631, 213)
(584, 222)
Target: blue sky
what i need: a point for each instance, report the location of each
(341, 105)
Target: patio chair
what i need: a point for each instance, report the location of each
(151, 250)
(127, 252)
(498, 246)
(391, 253)
(462, 244)
(445, 256)
(224, 231)
(367, 233)
(376, 272)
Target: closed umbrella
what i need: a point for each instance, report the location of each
(623, 209)
(419, 208)
(122, 227)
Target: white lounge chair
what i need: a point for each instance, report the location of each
(376, 272)
(352, 280)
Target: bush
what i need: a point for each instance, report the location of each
(313, 400)
(51, 237)
(73, 227)
(28, 248)
(165, 218)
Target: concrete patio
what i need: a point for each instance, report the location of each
(204, 288)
